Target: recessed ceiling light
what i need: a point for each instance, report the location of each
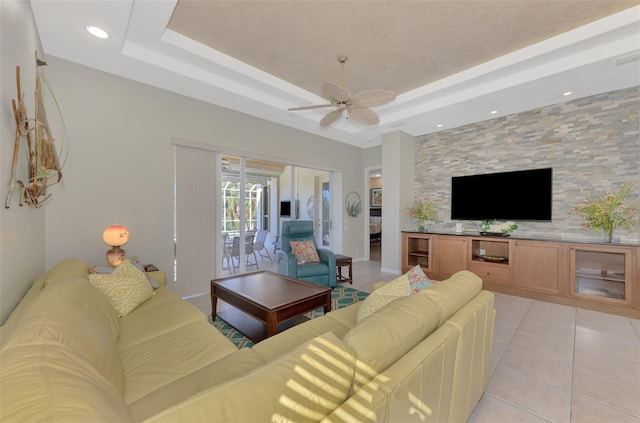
(97, 32)
(567, 93)
(439, 125)
(493, 112)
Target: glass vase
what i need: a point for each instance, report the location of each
(423, 226)
(608, 235)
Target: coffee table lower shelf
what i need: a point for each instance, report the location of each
(253, 328)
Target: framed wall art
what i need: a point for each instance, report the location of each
(376, 197)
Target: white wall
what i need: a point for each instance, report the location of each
(306, 189)
(398, 163)
(22, 229)
(121, 160)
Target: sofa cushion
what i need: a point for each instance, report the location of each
(93, 301)
(226, 368)
(346, 316)
(169, 356)
(282, 343)
(385, 336)
(66, 269)
(126, 288)
(305, 385)
(453, 293)
(162, 313)
(305, 251)
(84, 293)
(57, 317)
(53, 382)
(399, 287)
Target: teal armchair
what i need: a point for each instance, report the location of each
(323, 273)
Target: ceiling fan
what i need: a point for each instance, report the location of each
(357, 105)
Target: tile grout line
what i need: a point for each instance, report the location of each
(518, 407)
(573, 361)
(633, 328)
(539, 380)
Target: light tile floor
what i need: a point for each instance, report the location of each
(551, 363)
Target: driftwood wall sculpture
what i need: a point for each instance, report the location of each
(44, 163)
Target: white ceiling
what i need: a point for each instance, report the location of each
(452, 62)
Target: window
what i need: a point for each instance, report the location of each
(255, 207)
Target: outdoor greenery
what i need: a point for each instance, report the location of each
(231, 210)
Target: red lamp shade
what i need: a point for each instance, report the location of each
(115, 236)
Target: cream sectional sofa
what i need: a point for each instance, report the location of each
(65, 356)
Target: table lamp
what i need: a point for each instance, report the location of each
(115, 236)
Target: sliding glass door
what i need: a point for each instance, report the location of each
(229, 212)
(258, 196)
(246, 214)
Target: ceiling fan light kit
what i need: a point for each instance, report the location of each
(357, 106)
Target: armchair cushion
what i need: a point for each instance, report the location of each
(312, 269)
(305, 252)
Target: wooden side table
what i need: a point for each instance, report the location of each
(340, 262)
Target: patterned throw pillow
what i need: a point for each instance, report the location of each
(305, 252)
(418, 280)
(382, 296)
(134, 260)
(126, 287)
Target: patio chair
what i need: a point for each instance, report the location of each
(258, 244)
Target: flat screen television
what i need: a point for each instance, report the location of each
(285, 208)
(516, 195)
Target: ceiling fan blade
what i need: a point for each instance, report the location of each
(331, 117)
(371, 98)
(363, 115)
(334, 92)
(309, 107)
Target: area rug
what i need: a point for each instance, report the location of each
(341, 296)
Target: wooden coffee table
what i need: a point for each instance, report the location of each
(265, 302)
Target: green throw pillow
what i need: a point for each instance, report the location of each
(382, 296)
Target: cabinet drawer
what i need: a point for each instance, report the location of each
(496, 273)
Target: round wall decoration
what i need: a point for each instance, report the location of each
(353, 204)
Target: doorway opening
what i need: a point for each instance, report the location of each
(374, 187)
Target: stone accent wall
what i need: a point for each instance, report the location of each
(592, 144)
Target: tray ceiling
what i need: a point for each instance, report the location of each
(452, 62)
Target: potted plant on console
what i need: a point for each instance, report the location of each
(424, 211)
(608, 213)
(497, 229)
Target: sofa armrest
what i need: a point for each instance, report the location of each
(159, 277)
(287, 263)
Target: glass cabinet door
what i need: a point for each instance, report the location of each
(601, 272)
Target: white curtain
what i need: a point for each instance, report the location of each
(195, 176)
